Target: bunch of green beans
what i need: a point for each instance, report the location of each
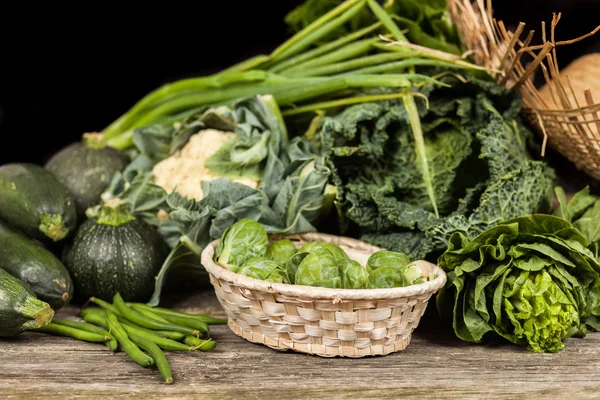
(142, 332)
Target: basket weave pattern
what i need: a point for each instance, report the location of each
(322, 321)
(563, 111)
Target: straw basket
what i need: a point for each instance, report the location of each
(322, 321)
(563, 111)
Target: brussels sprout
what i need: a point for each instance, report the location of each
(352, 274)
(384, 258)
(319, 268)
(385, 277)
(281, 251)
(240, 242)
(336, 250)
(415, 274)
(291, 266)
(264, 269)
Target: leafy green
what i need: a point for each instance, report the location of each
(428, 21)
(291, 198)
(583, 210)
(529, 280)
(476, 149)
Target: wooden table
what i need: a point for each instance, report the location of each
(435, 365)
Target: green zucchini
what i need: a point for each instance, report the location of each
(33, 201)
(20, 310)
(115, 253)
(28, 260)
(86, 169)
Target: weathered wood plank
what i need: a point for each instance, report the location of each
(435, 365)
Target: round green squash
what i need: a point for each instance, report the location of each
(115, 253)
(86, 171)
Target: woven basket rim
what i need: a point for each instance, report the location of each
(313, 292)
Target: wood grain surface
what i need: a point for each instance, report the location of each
(435, 365)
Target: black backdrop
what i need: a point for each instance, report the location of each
(65, 70)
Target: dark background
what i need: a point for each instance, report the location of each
(66, 71)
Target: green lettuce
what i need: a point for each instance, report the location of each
(583, 210)
(530, 280)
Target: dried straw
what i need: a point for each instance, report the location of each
(563, 110)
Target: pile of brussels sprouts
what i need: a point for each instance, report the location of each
(245, 249)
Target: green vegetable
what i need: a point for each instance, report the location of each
(281, 251)
(319, 268)
(99, 319)
(386, 277)
(132, 350)
(163, 343)
(79, 334)
(86, 170)
(96, 317)
(530, 280)
(583, 210)
(200, 344)
(166, 312)
(82, 326)
(291, 266)
(240, 242)
(140, 319)
(415, 273)
(19, 308)
(33, 201)
(115, 252)
(482, 171)
(352, 274)
(264, 269)
(200, 326)
(160, 360)
(385, 258)
(336, 250)
(28, 260)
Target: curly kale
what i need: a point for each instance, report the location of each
(482, 170)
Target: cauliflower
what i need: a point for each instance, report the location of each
(184, 170)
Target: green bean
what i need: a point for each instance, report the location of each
(95, 316)
(315, 25)
(99, 318)
(386, 20)
(163, 343)
(106, 305)
(111, 343)
(165, 312)
(130, 347)
(323, 49)
(149, 314)
(200, 344)
(140, 319)
(161, 360)
(201, 326)
(62, 330)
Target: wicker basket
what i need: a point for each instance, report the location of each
(322, 321)
(564, 111)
